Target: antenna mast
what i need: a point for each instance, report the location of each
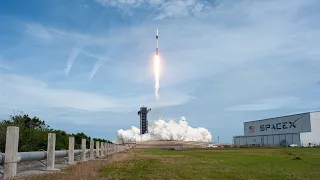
(142, 101)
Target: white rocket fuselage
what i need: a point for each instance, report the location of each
(157, 47)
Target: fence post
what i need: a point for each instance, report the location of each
(11, 152)
(71, 151)
(91, 149)
(51, 147)
(104, 148)
(83, 150)
(97, 147)
(101, 147)
(108, 148)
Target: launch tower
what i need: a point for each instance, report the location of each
(143, 119)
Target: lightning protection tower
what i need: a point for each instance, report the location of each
(143, 119)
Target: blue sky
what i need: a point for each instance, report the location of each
(84, 65)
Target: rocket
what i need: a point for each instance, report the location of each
(157, 47)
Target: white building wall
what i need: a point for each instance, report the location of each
(312, 137)
(269, 140)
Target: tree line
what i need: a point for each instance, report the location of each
(33, 134)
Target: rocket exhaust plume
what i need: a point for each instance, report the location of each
(165, 131)
(156, 69)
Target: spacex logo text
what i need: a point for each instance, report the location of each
(283, 125)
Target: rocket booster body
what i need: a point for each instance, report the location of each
(157, 46)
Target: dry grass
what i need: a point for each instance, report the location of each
(85, 170)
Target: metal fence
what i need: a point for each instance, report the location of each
(40, 155)
(11, 157)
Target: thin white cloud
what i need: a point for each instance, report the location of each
(25, 93)
(72, 57)
(100, 62)
(235, 34)
(215, 46)
(50, 34)
(76, 50)
(4, 65)
(30, 93)
(38, 31)
(183, 8)
(164, 9)
(266, 104)
(62, 36)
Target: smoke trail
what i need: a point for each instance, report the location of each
(161, 130)
(72, 57)
(156, 69)
(96, 67)
(75, 52)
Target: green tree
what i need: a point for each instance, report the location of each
(33, 135)
(78, 140)
(62, 139)
(102, 140)
(24, 121)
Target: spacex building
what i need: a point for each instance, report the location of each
(299, 129)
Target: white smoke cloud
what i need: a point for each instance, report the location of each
(162, 130)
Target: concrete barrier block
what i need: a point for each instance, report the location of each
(91, 149)
(51, 147)
(83, 150)
(11, 152)
(71, 151)
(97, 149)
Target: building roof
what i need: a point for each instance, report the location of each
(283, 116)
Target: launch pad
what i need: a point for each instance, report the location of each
(143, 119)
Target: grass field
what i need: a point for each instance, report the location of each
(219, 164)
(248, 164)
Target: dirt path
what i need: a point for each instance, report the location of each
(84, 170)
